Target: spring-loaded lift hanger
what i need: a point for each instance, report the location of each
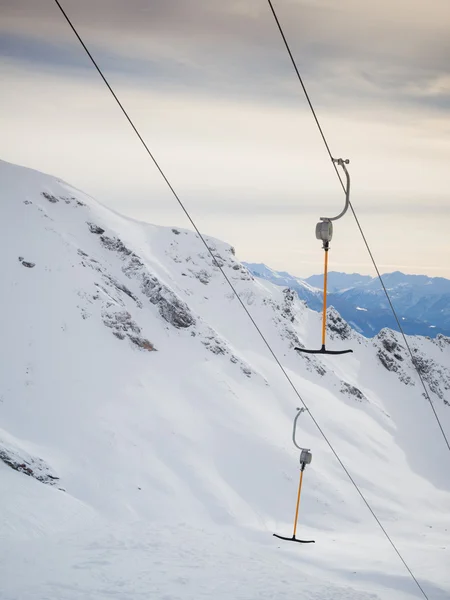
(324, 232)
(305, 459)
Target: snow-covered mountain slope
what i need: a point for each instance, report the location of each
(310, 294)
(145, 430)
(422, 303)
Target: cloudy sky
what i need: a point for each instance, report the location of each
(211, 88)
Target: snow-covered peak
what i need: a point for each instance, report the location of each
(146, 429)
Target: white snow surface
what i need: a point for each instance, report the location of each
(176, 465)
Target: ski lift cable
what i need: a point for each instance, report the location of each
(291, 383)
(366, 243)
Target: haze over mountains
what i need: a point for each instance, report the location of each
(145, 430)
(421, 302)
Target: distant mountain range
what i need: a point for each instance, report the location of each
(422, 303)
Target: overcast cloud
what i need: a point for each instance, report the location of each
(212, 89)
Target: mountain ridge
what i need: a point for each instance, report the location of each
(145, 430)
(421, 302)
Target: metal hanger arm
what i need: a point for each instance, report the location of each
(341, 162)
(300, 410)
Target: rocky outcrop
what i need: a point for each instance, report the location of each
(123, 326)
(391, 355)
(18, 459)
(352, 391)
(437, 377)
(336, 326)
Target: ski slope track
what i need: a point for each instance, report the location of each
(145, 431)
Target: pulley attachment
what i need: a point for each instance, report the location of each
(305, 459)
(324, 233)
